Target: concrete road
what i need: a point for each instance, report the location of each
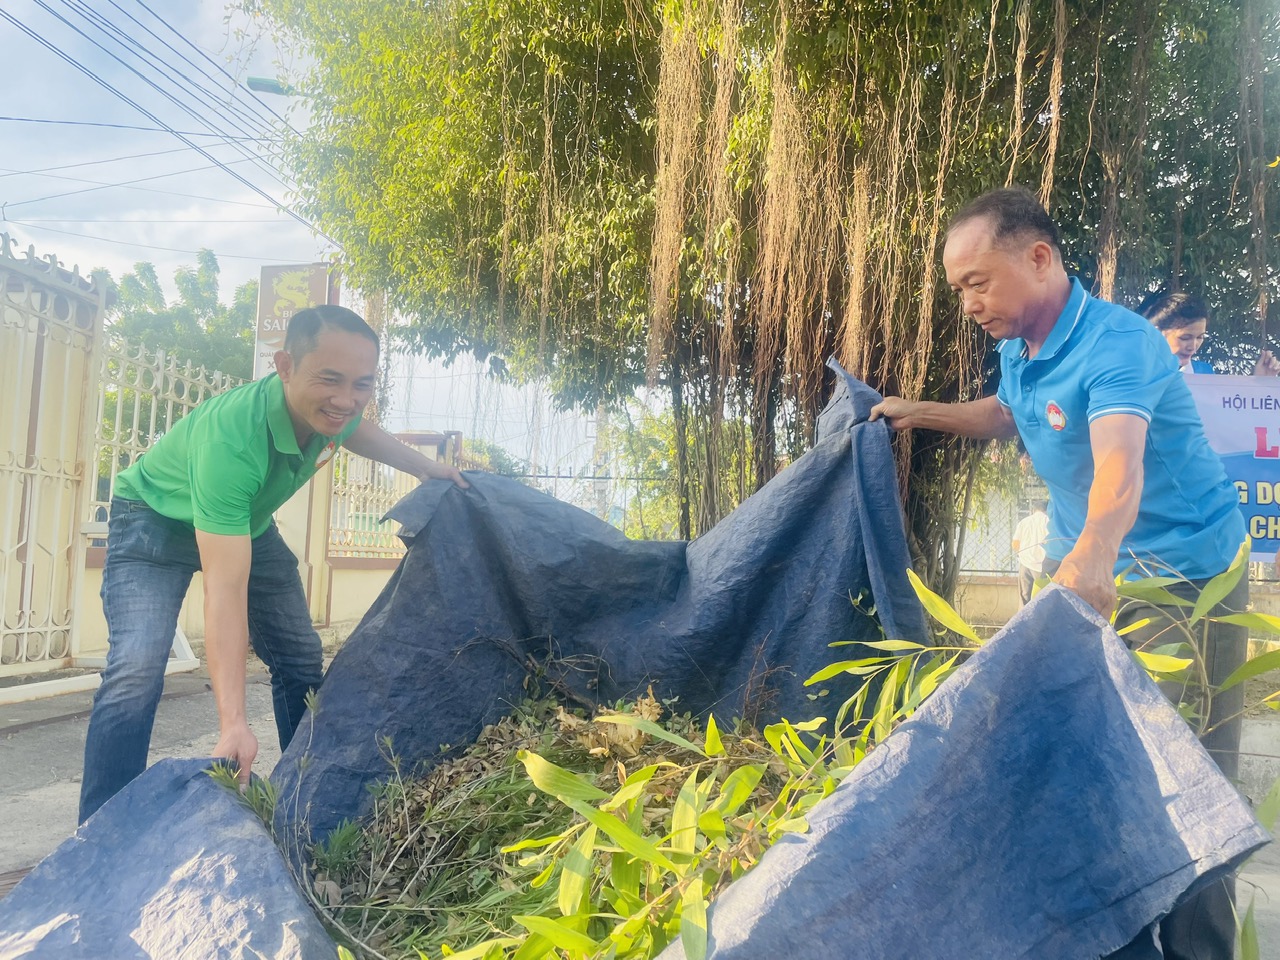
(42, 751)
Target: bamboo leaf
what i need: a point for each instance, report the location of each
(790, 825)
(693, 920)
(940, 610)
(715, 746)
(1252, 668)
(737, 789)
(533, 844)
(1133, 627)
(652, 729)
(624, 874)
(1269, 808)
(633, 787)
(854, 667)
(929, 679)
(684, 817)
(534, 948)
(1264, 622)
(543, 876)
(1152, 590)
(1249, 947)
(575, 873)
(621, 834)
(478, 952)
(558, 933)
(1217, 589)
(1161, 663)
(894, 646)
(712, 825)
(557, 781)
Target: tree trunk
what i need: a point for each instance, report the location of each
(679, 417)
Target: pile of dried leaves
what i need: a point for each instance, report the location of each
(428, 867)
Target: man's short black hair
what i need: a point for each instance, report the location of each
(1016, 214)
(305, 326)
(1174, 310)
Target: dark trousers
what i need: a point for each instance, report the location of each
(1203, 927)
(150, 562)
(1026, 583)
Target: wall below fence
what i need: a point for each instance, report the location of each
(988, 600)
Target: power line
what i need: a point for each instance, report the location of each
(169, 220)
(99, 185)
(219, 67)
(152, 117)
(92, 163)
(148, 246)
(186, 85)
(112, 32)
(129, 126)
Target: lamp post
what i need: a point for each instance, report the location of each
(270, 85)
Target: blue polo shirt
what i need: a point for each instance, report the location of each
(1101, 359)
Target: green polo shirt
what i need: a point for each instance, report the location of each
(230, 463)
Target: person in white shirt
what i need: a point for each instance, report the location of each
(1028, 546)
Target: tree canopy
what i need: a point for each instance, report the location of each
(716, 195)
(197, 326)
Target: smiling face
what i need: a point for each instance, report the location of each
(1010, 290)
(329, 386)
(1185, 341)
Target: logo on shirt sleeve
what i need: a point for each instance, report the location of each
(327, 454)
(1057, 419)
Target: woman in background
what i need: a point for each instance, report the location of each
(1184, 320)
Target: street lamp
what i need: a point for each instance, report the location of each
(270, 85)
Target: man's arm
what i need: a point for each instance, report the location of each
(225, 561)
(1118, 442)
(986, 419)
(370, 440)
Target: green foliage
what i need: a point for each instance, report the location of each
(717, 196)
(494, 458)
(258, 795)
(556, 835)
(197, 327)
(641, 446)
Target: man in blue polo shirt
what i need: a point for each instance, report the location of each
(1095, 394)
(202, 498)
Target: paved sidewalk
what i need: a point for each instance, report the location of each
(42, 746)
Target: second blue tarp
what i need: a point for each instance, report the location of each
(1046, 802)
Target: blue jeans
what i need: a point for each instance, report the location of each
(149, 564)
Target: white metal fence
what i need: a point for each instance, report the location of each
(363, 491)
(141, 394)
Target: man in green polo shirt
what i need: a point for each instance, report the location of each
(202, 499)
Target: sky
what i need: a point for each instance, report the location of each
(73, 190)
(110, 196)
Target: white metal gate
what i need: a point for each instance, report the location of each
(50, 325)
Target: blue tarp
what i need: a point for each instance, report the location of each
(175, 866)
(501, 581)
(1046, 802)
